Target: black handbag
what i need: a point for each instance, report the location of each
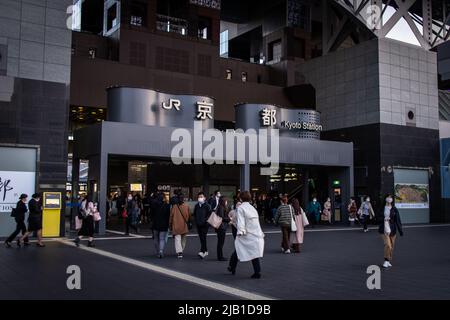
(13, 212)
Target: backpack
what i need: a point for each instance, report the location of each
(13, 212)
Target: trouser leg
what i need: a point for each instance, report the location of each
(256, 266)
(178, 245)
(127, 225)
(220, 242)
(156, 235)
(392, 239)
(202, 234)
(15, 233)
(183, 241)
(388, 246)
(233, 260)
(285, 233)
(162, 240)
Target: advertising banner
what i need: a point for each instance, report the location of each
(412, 196)
(12, 185)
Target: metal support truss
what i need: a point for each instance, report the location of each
(429, 22)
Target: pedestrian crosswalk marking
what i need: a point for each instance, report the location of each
(174, 274)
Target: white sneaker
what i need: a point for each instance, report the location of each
(288, 251)
(389, 264)
(201, 255)
(386, 264)
(205, 254)
(367, 230)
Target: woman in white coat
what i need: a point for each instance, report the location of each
(249, 242)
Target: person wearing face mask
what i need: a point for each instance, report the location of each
(202, 211)
(130, 207)
(214, 200)
(314, 210)
(326, 213)
(366, 213)
(390, 224)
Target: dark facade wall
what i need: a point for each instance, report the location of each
(366, 140)
(37, 115)
(412, 147)
(383, 145)
(90, 78)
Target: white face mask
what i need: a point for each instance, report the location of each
(389, 200)
(367, 200)
(130, 198)
(218, 195)
(314, 200)
(201, 200)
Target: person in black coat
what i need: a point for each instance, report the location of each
(34, 219)
(214, 200)
(202, 212)
(19, 215)
(222, 211)
(390, 225)
(161, 217)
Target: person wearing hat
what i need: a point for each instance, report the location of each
(34, 219)
(19, 216)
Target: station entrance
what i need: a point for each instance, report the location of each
(146, 176)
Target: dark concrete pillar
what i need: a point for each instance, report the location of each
(245, 177)
(75, 189)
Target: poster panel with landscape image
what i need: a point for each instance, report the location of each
(412, 196)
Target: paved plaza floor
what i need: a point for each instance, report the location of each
(332, 265)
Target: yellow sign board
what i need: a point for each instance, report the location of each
(51, 215)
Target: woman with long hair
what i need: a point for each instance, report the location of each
(390, 224)
(222, 212)
(87, 211)
(299, 234)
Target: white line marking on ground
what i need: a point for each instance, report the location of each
(132, 236)
(123, 233)
(174, 274)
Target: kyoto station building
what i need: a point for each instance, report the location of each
(352, 86)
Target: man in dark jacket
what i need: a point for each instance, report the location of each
(19, 215)
(202, 211)
(160, 227)
(214, 200)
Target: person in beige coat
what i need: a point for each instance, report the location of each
(178, 224)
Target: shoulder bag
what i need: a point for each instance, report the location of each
(214, 220)
(293, 224)
(305, 219)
